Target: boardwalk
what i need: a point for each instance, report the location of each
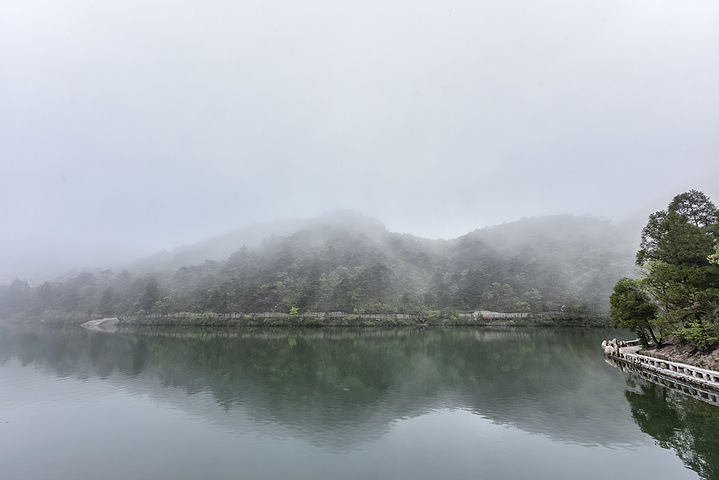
(695, 381)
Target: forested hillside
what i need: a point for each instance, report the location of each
(350, 263)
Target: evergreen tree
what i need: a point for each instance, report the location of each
(632, 308)
(675, 252)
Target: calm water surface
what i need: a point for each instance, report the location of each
(326, 404)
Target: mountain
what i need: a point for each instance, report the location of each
(350, 262)
(222, 246)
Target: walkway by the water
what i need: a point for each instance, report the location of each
(682, 373)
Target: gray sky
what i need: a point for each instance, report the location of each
(137, 126)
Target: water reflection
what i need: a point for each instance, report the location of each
(688, 426)
(340, 388)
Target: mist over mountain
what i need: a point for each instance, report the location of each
(436, 117)
(351, 262)
(506, 236)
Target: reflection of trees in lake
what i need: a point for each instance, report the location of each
(685, 425)
(337, 387)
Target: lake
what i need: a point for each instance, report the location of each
(494, 403)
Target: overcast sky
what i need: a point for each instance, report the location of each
(142, 125)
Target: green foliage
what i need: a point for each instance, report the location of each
(714, 257)
(696, 207)
(704, 335)
(632, 308)
(670, 237)
(150, 296)
(536, 266)
(678, 256)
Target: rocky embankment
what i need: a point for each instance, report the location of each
(675, 351)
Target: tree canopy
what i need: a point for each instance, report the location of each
(680, 274)
(550, 264)
(696, 207)
(631, 307)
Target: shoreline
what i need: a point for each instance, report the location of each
(685, 353)
(321, 319)
(693, 372)
(355, 320)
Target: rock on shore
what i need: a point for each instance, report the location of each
(102, 325)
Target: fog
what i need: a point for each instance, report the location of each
(132, 127)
